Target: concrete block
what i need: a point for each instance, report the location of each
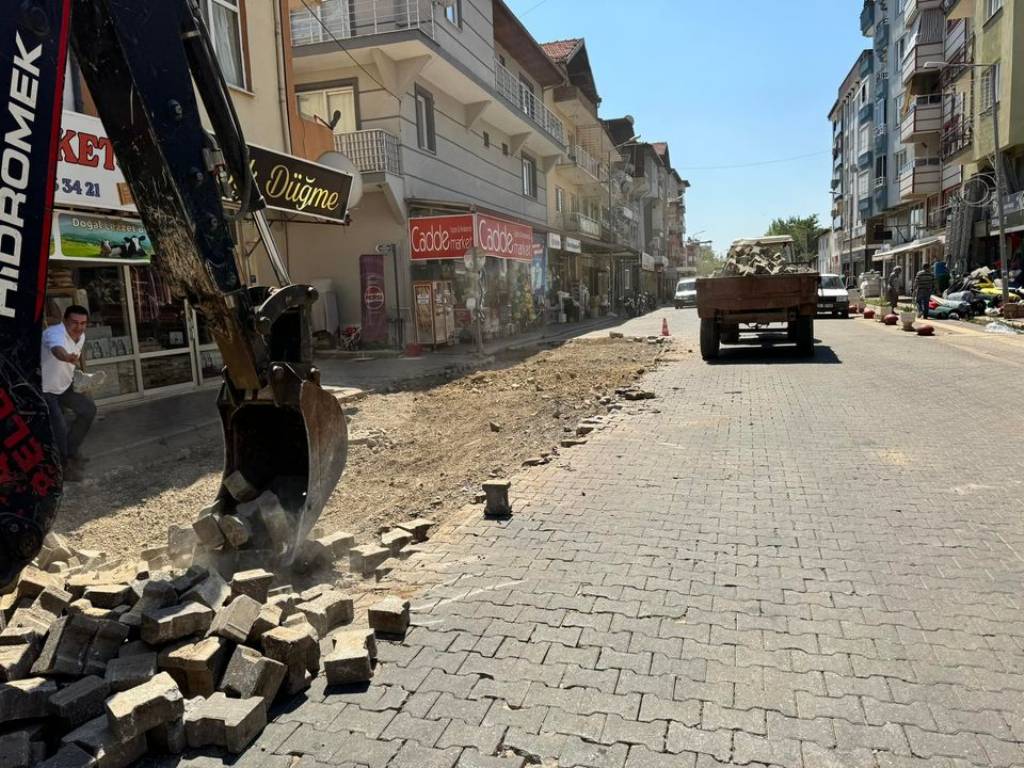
(104, 646)
(235, 531)
(83, 607)
(133, 712)
(218, 721)
(328, 611)
(69, 756)
(207, 528)
(419, 528)
(53, 600)
(239, 487)
(16, 660)
(197, 667)
(164, 625)
(250, 673)
(22, 747)
(311, 556)
(79, 702)
(66, 646)
(32, 581)
(109, 595)
(348, 664)
(234, 621)
(396, 539)
(365, 559)
(498, 506)
(133, 648)
(34, 619)
(254, 583)
(55, 549)
(189, 578)
(270, 616)
(25, 699)
(127, 672)
(212, 592)
(338, 543)
(314, 592)
(359, 638)
(390, 617)
(168, 738)
(108, 750)
(298, 648)
(155, 594)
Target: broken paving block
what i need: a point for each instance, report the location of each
(164, 625)
(298, 648)
(270, 617)
(338, 543)
(207, 528)
(32, 581)
(55, 548)
(83, 607)
(103, 647)
(79, 702)
(390, 617)
(234, 621)
(218, 721)
(235, 531)
(98, 739)
(365, 559)
(22, 747)
(109, 595)
(396, 539)
(181, 540)
(419, 528)
(33, 621)
(127, 672)
(212, 591)
(66, 646)
(197, 667)
(253, 583)
(327, 611)
(69, 756)
(25, 699)
(155, 594)
(348, 664)
(360, 638)
(239, 487)
(311, 556)
(250, 673)
(133, 712)
(192, 576)
(53, 600)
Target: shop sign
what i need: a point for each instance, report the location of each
(88, 175)
(554, 241)
(539, 272)
(441, 237)
(374, 302)
(572, 245)
(294, 185)
(504, 239)
(104, 239)
(647, 262)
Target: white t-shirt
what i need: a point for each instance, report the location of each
(58, 375)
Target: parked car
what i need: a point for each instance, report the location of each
(833, 298)
(686, 293)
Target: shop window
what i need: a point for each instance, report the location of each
(101, 291)
(159, 317)
(529, 177)
(325, 104)
(224, 19)
(159, 372)
(425, 134)
(211, 364)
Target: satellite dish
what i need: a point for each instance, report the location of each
(341, 163)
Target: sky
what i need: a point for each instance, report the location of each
(726, 84)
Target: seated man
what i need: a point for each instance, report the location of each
(61, 354)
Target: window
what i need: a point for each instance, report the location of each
(991, 7)
(863, 96)
(453, 12)
(487, 139)
(224, 18)
(526, 97)
(991, 76)
(529, 177)
(864, 139)
(559, 199)
(425, 136)
(901, 48)
(324, 104)
(504, 149)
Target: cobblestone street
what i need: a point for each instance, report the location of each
(806, 563)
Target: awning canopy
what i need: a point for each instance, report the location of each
(916, 245)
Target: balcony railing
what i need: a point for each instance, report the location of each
(866, 113)
(586, 162)
(924, 117)
(347, 19)
(582, 224)
(920, 177)
(373, 151)
(914, 7)
(515, 92)
(867, 17)
(957, 135)
(919, 55)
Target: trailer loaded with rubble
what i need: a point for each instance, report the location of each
(761, 288)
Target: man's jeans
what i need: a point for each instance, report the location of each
(922, 306)
(68, 441)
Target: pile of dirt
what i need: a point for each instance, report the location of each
(414, 453)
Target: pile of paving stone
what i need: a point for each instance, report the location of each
(747, 260)
(103, 659)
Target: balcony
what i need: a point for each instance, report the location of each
(914, 7)
(920, 178)
(867, 65)
(881, 35)
(512, 90)
(864, 206)
(584, 168)
(374, 151)
(881, 139)
(866, 113)
(581, 224)
(348, 19)
(923, 119)
(952, 176)
(867, 18)
(957, 135)
(920, 55)
(865, 159)
(881, 193)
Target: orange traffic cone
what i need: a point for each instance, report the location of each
(664, 327)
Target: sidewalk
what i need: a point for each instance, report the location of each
(136, 433)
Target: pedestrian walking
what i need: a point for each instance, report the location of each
(892, 288)
(924, 286)
(61, 354)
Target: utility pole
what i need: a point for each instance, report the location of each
(1000, 186)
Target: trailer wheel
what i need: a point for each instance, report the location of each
(805, 335)
(709, 339)
(730, 334)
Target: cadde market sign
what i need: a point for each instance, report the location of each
(452, 237)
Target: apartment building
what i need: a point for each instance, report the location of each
(854, 172)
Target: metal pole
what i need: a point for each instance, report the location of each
(1000, 203)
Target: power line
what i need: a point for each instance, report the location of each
(533, 7)
(347, 52)
(752, 165)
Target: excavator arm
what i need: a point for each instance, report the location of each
(144, 62)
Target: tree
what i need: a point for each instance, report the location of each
(708, 262)
(805, 231)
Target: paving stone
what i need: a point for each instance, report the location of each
(80, 701)
(360, 638)
(16, 660)
(365, 559)
(642, 757)
(212, 591)
(79, 645)
(165, 625)
(682, 738)
(25, 699)
(395, 540)
(463, 735)
(231, 724)
(69, 756)
(389, 617)
(525, 719)
(253, 583)
(423, 732)
(348, 664)
(129, 671)
(328, 611)
(414, 756)
(270, 616)
(250, 674)
(584, 753)
(53, 600)
(197, 667)
(108, 750)
(419, 528)
(109, 595)
(653, 707)
(471, 758)
(589, 727)
(133, 712)
(338, 543)
(748, 748)
(235, 620)
(298, 649)
(22, 747)
(372, 753)
(618, 730)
